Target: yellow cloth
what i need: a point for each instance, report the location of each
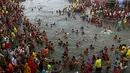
(98, 63)
(72, 9)
(46, 58)
(92, 13)
(65, 6)
(13, 34)
(3, 45)
(7, 12)
(3, 11)
(15, 29)
(83, 14)
(77, 0)
(123, 50)
(34, 55)
(74, 5)
(128, 54)
(125, 21)
(27, 68)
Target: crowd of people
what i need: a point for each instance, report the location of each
(23, 58)
(118, 16)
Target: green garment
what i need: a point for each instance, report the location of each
(49, 66)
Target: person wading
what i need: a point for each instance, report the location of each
(98, 65)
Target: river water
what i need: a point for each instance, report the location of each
(48, 15)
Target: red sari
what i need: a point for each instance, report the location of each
(7, 45)
(32, 65)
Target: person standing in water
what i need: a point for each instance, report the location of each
(95, 37)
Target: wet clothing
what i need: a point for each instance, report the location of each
(98, 63)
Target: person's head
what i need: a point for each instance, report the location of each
(66, 47)
(49, 41)
(117, 58)
(14, 57)
(55, 69)
(98, 58)
(74, 57)
(59, 62)
(112, 45)
(56, 62)
(119, 38)
(45, 47)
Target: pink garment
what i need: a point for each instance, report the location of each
(117, 70)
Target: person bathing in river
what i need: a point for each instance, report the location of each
(86, 51)
(108, 64)
(65, 35)
(72, 30)
(95, 37)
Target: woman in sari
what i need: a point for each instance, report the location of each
(27, 68)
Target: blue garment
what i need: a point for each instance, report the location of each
(120, 3)
(43, 71)
(19, 22)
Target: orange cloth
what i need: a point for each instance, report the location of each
(11, 67)
(27, 68)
